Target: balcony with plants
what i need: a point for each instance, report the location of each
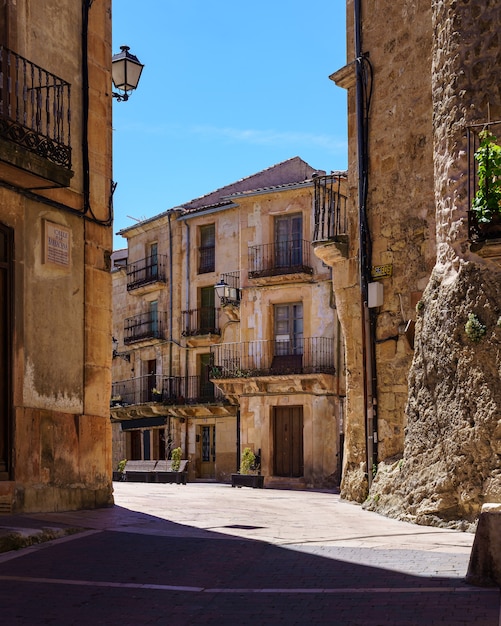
(35, 139)
(484, 188)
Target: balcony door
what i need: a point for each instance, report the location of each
(206, 390)
(288, 240)
(207, 440)
(288, 441)
(6, 300)
(288, 340)
(152, 263)
(207, 310)
(149, 380)
(154, 319)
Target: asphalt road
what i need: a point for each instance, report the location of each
(210, 554)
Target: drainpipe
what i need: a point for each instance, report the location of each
(365, 253)
(171, 317)
(238, 440)
(171, 291)
(187, 287)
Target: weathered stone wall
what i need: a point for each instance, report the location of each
(59, 366)
(451, 461)
(400, 213)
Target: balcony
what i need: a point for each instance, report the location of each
(280, 259)
(146, 274)
(144, 327)
(250, 359)
(485, 237)
(330, 239)
(147, 396)
(35, 147)
(201, 322)
(274, 367)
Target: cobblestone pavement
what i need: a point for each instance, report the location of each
(210, 554)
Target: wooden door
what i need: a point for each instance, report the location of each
(288, 441)
(207, 438)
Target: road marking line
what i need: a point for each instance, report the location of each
(279, 590)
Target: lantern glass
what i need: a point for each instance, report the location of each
(126, 70)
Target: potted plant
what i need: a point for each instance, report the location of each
(176, 459)
(250, 472)
(116, 400)
(119, 474)
(156, 395)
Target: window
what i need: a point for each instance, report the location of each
(207, 250)
(152, 264)
(288, 240)
(288, 328)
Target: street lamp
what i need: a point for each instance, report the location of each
(125, 71)
(227, 294)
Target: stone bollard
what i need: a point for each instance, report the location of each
(484, 568)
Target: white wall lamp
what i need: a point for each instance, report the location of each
(228, 295)
(125, 71)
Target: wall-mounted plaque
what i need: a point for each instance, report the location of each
(57, 244)
(381, 271)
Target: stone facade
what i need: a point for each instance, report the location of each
(433, 77)
(269, 352)
(55, 243)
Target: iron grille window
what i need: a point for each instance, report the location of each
(207, 250)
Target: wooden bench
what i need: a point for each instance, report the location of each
(139, 471)
(165, 474)
(155, 472)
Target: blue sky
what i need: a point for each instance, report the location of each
(228, 89)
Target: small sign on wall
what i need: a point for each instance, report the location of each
(57, 244)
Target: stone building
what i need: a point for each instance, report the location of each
(257, 363)
(423, 393)
(55, 242)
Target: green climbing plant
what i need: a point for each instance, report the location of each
(487, 200)
(474, 328)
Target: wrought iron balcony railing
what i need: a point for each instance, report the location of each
(202, 321)
(331, 220)
(145, 326)
(310, 355)
(169, 390)
(283, 257)
(146, 271)
(206, 259)
(34, 108)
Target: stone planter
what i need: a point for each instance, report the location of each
(256, 481)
